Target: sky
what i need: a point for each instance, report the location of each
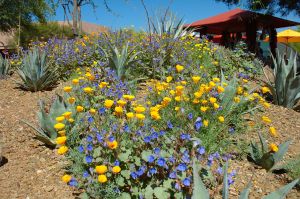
(130, 13)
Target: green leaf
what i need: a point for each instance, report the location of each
(146, 154)
(245, 192)
(168, 184)
(148, 192)
(225, 191)
(124, 196)
(97, 152)
(282, 149)
(161, 193)
(199, 191)
(120, 181)
(125, 174)
(281, 192)
(84, 196)
(124, 156)
(267, 161)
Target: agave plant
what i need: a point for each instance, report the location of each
(36, 72)
(121, 61)
(286, 87)
(261, 155)
(46, 131)
(200, 191)
(4, 66)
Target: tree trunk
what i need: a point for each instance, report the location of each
(75, 17)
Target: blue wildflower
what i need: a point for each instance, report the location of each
(90, 119)
(184, 136)
(170, 125)
(85, 174)
(172, 175)
(141, 170)
(172, 159)
(220, 170)
(101, 110)
(198, 123)
(151, 158)
(201, 150)
(73, 182)
(89, 138)
(81, 149)
(89, 147)
(154, 135)
(190, 116)
(161, 162)
(111, 138)
(231, 130)
(181, 167)
(161, 133)
(133, 175)
(186, 182)
(117, 163)
(177, 186)
(147, 139)
(157, 151)
(153, 171)
(99, 137)
(126, 128)
(88, 159)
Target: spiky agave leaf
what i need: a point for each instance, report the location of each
(4, 67)
(199, 190)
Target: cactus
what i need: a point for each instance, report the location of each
(200, 191)
(46, 131)
(265, 158)
(286, 87)
(36, 72)
(4, 67)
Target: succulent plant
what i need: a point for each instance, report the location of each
(121, 61)
(200, 191)
(4, 66)
(286, 87)
(263, 157)
(46, 131)
(36, 72)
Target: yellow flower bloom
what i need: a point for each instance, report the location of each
(62, 133)
(196, 101)
(239, 90)
(79, 108)
(140, 116)
(68, 89)
(183, 82)
(75, 81)
(169, 79)
(62, 150)
(216, 79)
(108, 103)
(216, 63)
(216, 106)
(221, 119)
(196, 79)
(273, 147)
(88, 90)
(116, 169)
(236, 99)
(112, 145)
(225, 84)
(212, 84)
(71, 120)
(71, 100)
(266, 119)
(67, 114)
(265, 90)
(103, 84)
(204, 102)
(266, 105)
(273, 131)
(179, 68)
(177, 98)
(139, 109)
(179, 90)
(59, 126)
(102, 178)
(204, 108)
(101, 169)
(66, 178)
(92, 111)
(245, 80)
(118, 110)
(198, 94)
(129, 115)
(220, 89)
(205, 123)
(176, 108)
(213, 100)
(121, 103)
(172, 92)
(129, 97)
(61, 140)
(155, 115)
(60, 118)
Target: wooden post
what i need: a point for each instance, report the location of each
(273, 41)
(251, 28)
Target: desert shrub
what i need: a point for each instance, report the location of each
(42, 32)
(4, 67)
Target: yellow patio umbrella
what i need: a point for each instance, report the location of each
(287, 36)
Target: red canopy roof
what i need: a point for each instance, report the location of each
(235, 21)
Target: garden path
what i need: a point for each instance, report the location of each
(32, 171)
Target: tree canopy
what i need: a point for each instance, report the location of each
(13, 12)
(269, 6)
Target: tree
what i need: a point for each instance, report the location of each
(269, 6)
(22, 12)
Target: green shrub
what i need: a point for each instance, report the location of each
(4, 67)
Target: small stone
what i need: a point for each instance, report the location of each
(49, 188)
(39, 171)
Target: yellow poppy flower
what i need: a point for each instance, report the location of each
(273, 131)
(60, 118)
(139, 109)
(75, 81)
(68, 89)
(102, 178)
(79, 108)
(108, 103)
(112, 145)
(59, 126)
(116, 169)
(196, 79)
(266, 119)
(72, 100)
(273, 147)
(66, 178)
(67, 114)
(179, 68)
(88, 90)
(169, 79)
(92, 111)
(205, 123)
(221, 119)
(101, 169)
(61, 140)
(62, 150)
